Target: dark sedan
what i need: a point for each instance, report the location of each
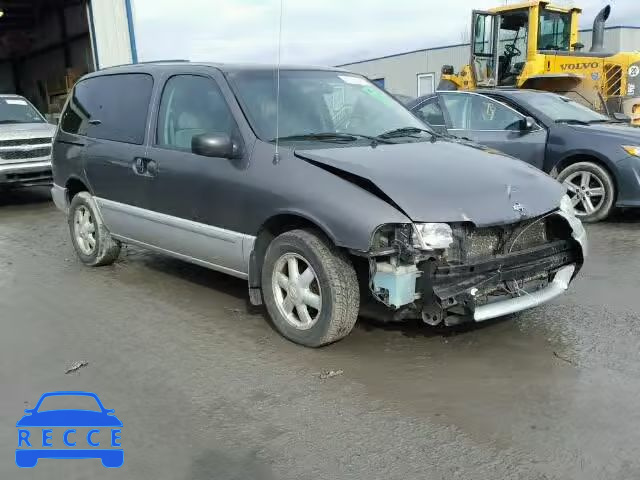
(595, 157)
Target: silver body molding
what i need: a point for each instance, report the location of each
(211, 247)
(205, 245)
(557, 286)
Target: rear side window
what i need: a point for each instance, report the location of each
(111, 107)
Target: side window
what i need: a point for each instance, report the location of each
(431, 113)
(110, 107)
(487, 114)
(191, 105)
(457, 106)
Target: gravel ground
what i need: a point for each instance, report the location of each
(207, 390)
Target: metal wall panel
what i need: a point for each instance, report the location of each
(630, 39)
(110, 30)
(399, 71)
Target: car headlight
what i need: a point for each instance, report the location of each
(632, 150)
(566, 205)
(429, 236)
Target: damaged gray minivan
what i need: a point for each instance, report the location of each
(317, 187)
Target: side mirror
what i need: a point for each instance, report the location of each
(623, 117)
(214, 145)
(527, 124)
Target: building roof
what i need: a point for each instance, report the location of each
(614, 27)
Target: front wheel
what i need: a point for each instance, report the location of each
(310, 288)
(591, 190)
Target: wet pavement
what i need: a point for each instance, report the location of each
(207, 390)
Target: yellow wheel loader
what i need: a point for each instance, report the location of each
(536, 45)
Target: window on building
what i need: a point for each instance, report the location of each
(426, 84)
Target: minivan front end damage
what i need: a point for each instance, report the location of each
(457, 272)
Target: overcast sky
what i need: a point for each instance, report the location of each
(320, 32)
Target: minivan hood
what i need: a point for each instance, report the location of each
(446, 181)
(16, 131)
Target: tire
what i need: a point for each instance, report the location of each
(334, 284)
(101, 249)
(600, 180)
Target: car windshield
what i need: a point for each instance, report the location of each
(18, 110)
(559, 108)
(329, 103)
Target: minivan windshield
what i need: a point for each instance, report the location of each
(18, 110)
(562, 109)
(318, 105)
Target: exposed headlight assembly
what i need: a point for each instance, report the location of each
(431, 236)
(632, 150)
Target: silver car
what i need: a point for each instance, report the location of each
(25, 144)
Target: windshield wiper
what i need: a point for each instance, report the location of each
(572, 120)
(605, 120)
(332, 137)
(405, 132)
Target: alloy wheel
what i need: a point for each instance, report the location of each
(586, 191)
(296, 290)
(85, 230)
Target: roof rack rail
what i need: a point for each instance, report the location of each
(177, 60)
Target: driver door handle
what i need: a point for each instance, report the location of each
(145, 167)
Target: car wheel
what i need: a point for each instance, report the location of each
(91, 239)
(591, 190)
(310, 288)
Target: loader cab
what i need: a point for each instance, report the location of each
(505, 39)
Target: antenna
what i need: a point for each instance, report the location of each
(276, 155)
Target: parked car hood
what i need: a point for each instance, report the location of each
(444, 181)
(615, 131)
(16, 131)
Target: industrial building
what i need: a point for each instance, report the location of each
(417, 72)
(46, 45)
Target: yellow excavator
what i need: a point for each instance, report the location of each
(536, 45)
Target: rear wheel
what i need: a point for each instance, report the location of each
(591, 190)
(91, 239)
(310, 288)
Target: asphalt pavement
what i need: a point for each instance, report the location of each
(206, 389)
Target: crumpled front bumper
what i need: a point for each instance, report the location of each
(557, 286)
(535, 276)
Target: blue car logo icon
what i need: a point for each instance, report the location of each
(36, 433)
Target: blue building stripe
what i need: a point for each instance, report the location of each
(132, 35)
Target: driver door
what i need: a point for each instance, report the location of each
(494, 124)
(484, 54)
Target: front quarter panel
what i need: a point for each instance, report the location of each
(347, 213)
